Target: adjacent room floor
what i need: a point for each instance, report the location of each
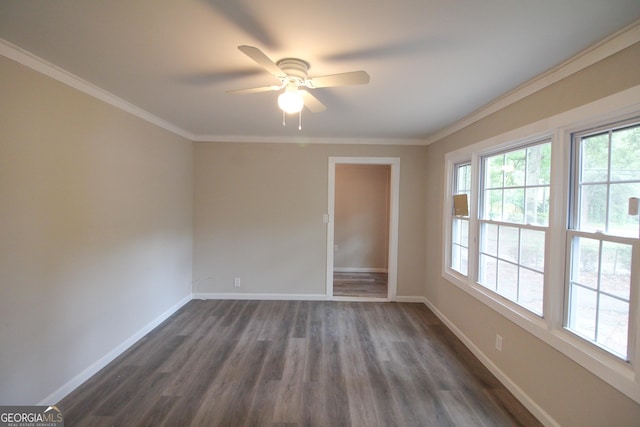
(367, 285)
(316, 363)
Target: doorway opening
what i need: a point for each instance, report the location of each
(362, 232)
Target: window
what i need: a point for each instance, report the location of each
(513, 223)
(460, 222)
(602, 235)
(552, 242)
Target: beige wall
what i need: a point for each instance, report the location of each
(258, 216)
(361, 224)
(95, 230)
(569, 393)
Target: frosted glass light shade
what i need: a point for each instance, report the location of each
(290, 101)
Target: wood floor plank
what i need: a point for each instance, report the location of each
(296, 363)
(157, 413)
(228, 400)
(262, 404)
(362, 402)
(288, 405)
(409, 375)
(95, 421)
(374, 364)
(301, 320)
(314, 405)
(335, 390)
(312, 366)
(459, 410)
(82, 402)
(134, 410)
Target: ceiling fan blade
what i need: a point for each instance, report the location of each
(262, 60)
(342, 79)
(311, 102)
(255, 89)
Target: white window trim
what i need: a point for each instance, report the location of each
(450, 218)
(624, 376)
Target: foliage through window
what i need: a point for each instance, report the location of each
(513, 223)
(602, 236)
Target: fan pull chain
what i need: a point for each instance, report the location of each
(284, 119)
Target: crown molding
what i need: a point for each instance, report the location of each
(306, 140)
(616, 42)
(21, 56)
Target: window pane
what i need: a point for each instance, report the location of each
(460, 226)
(515, 190)
(615, 275)
(584, 268)
(531, 290)
(595, 158)
(488, 266)
(620, 222)
(464, 261)
(494, 171)
(493, 205)
(613, 323)
(455, 231)
(582, 311)
(600, 270)
(464, 232)
(539, 165)
(513, 210)
(509, 243)
(537, 206)
(532, 249)
(514, 168)
(593, 207)
(463, 180)
(625, 154)
(489, 239)
(508, 280)
(455, 257)
(460, 241)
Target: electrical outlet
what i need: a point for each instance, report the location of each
(236, 282)
(498, 342)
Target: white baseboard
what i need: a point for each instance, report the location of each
(302, 297)
(76, 381)
(271, 297)
(523, 397)
(359, 299)
(359, 270)
(400, 298)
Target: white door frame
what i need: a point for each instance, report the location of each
(394, 208)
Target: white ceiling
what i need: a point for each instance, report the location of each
(431, 62)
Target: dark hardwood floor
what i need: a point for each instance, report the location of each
(369, 285)
(296, 363)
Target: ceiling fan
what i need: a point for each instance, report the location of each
(293, 75)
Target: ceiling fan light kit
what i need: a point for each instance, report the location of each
(293, 73)
(290, 101)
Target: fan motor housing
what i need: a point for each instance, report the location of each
(294, 68)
